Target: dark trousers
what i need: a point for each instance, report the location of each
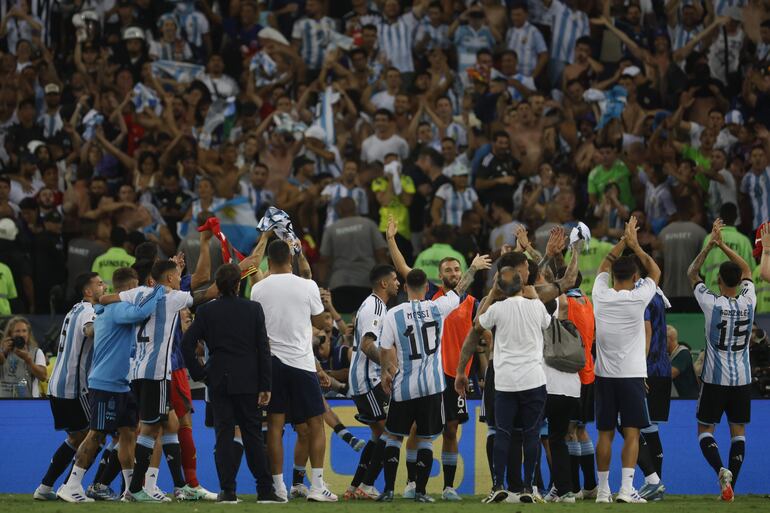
(559, 410)
(239, 409)
(513, 410)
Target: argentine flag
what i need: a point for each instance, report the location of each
(182, 72)
(236, 218)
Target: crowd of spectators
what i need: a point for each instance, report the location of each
(123, 120)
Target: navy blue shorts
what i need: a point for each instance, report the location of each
(296, 393)
(111, 411)
(522, 410)
(623, 398)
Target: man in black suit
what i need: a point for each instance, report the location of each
(238, 376)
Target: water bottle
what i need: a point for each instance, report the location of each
(22, 392)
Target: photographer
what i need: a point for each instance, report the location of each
(22, 363)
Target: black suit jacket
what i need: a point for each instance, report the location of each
(234, 331)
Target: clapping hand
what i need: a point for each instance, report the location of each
(716, 232)
(392, 227)
(480, 263)
(630, 233)
(522, 239)
(556, 241)
(765, 233)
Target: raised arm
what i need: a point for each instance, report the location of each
(480, 262)
(693, 272)
(395, 254)
(732, 255)
(764, 264)
(613, 255)
(649, 264)
(202, 274)
(129, 313)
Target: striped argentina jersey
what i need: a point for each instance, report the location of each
(337, 191)
(69, 379)
(414, 329)
(728, 331)
(455, 203)
(680, 36)
(757, 186)
(567, 26)
(314, 37)
(155, 336)
(528, 43)
(396, 40)
(364, 374)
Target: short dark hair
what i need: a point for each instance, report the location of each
(730, 273)
(534, 272)
(512, 287)
(228, 279)
(500, 133)
(379, 272)
(729, 213)
(82, 281)
(118, 237)
(585, 40)
(442, 233)
(511, 259)
(416, 279)
(504, 202)
(143, 269)
(122, 276)
(383, 112)
(447, 259)
(624, 268)
(146, 251)
(435, 157)
(278, 252)
(160, 268)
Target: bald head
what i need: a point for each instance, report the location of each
(672, 337)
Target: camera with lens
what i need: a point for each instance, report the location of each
(18, 342)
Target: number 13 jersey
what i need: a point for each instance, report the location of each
(414, 328)
(728, 333)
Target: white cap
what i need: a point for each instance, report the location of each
(273, 35)
(32, 146)
(90, 15)
(8, 229)
(133, 33)
(315, 132)
(631, 71)
(52, 88)
(734, 117)
(458, 169)
(580, 232)
(734, 12)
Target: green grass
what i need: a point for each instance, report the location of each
(672, 503)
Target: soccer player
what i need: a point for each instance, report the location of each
(151, 380)
(364, 379)
(621, 365)
(292, 306)
(726, 374)
(456, 326)
(68, 384)
(658, 397)
(579, 444)
(110, 398)
(412, 333)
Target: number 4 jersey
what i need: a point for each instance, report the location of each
(414, 328)
(154, 336)
(728, 332)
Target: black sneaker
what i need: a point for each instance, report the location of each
(386, 496)
(498, 494)
(227, 498)
(270, 498)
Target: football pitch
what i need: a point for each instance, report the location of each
(672, 503)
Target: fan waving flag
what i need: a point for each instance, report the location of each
(238, 223)
(279, 221)
(182, 72)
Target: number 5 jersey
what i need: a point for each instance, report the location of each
(414, 328)
(728, 332)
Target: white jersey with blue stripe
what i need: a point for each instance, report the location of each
(396, 40)
(155, 336)
(757, 187)
(680, 36)
(414, 329)
(728, 332)
(720, 6)
(438, 37)
(456, 203)
(364, 374)
(567, 26)
(314, 36)
(69, 379)
(337, 191)
(528, 43)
